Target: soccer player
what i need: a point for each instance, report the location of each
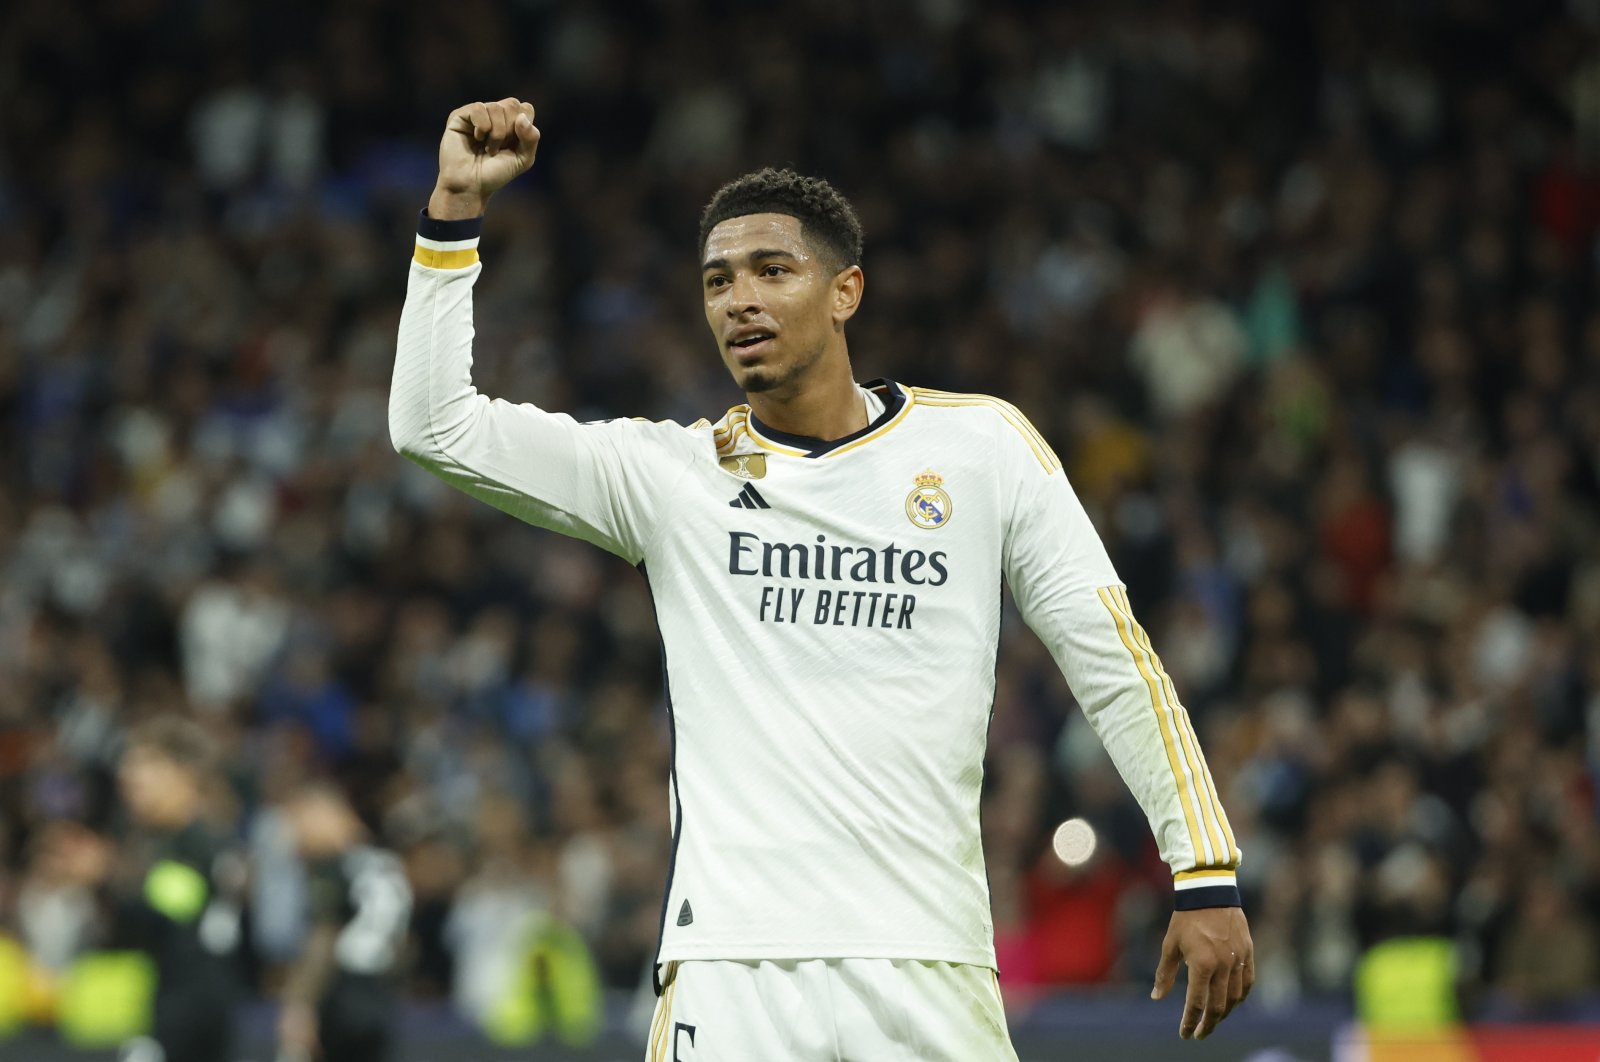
(183, 905)
(340, 997)
(825, 562)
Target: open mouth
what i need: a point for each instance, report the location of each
(750, 344)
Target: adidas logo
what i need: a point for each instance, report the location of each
(685, 914)
(749, 498)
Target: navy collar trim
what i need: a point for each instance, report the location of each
(893, 398)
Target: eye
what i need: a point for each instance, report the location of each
(773, 270)
(717, 281)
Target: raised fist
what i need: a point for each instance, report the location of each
(485, 145)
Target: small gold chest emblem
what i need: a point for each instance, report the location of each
(745, 466)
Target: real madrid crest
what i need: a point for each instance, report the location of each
(928, 505)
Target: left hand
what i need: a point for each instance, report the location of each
(1215, 944)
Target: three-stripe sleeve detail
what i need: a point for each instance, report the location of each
(1008, 412)
(1164, 722)
(1217, 828)
(1210, 832)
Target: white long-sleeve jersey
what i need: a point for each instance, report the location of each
(830, 615)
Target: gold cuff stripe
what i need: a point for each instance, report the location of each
(446, 259)
(1210, 806)
(1207, 872)
(1013, 416)
(1107, 599)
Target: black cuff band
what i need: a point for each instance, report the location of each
(445, 231)
(1209, 896)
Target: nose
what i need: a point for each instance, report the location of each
(744, 297)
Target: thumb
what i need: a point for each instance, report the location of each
(1167, 970)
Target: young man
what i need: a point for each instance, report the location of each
(826, 564)
(340, 998)
(182, 903)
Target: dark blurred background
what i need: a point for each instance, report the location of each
(1304, 294)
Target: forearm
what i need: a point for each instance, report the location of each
(1129, 699)
(1141, 711)
(593, 481)
(432, 402)
(1070, 595)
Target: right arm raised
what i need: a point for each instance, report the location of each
(598, 482)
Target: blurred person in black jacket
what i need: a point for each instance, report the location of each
(175, 888)
(340, 998)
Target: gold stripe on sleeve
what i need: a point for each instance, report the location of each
(1106, 599)
(1008, 412)
(1234, 856)
(1211, 807)
(446, 259)
(1203, 872)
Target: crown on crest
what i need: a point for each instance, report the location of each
(929, 479)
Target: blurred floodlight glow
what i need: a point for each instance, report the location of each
(1074, 842)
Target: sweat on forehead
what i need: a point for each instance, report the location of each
(757, 236)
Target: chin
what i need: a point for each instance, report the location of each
(755, 381)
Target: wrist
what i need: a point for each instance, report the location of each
(446, 205)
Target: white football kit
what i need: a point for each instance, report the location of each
(830, 617)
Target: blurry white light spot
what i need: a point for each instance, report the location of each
(1074, 842)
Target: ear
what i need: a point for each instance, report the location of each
(848, 286)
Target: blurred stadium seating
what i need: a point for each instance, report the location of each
(1305, 295)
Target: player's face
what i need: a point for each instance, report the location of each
(771, 301)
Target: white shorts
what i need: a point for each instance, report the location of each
(828, 1010)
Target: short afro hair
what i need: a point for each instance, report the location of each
(826, 218)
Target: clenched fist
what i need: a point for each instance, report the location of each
(484, 146)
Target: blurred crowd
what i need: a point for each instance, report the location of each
(1304, 294)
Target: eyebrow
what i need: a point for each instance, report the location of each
(765, 252)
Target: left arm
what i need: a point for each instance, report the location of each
(1070, 595)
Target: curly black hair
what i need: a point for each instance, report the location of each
(827, 220)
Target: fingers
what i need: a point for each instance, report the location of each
(478, 115)
(1235, 987)
(1195, 1001)
(496, 125)
(1167, 968)
(1217, 1006)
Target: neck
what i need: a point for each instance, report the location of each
(824, 405)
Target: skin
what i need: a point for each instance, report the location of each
(760, 272)
(800, 382)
